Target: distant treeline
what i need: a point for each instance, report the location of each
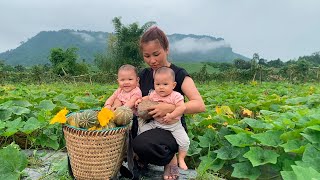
(305, 69)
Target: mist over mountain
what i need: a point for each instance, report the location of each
(189, 48)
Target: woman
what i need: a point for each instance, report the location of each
(157, 146)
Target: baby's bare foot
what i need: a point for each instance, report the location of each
(183, 165)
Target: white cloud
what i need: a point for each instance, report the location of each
(197, 45)
(86, 37)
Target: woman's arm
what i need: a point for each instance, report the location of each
(195, 103)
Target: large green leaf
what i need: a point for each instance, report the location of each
(60, 97)
(193, 148)
(296, 100)
(208, 139)
(13, 162)
(13, 127)
(30, 125)
(269, 138)
(46, 105)
(245, 170)
(257, 124)
(6, 104)
(238, 129)
(295, 146)
(240, 140)
(2, 124)
(86, 102)
(215, 163)
(208, 163)
(303, 173)
(5, 114)
(311, 156)
(259, 156)
(70, 106)
(227, 152)
(205, 164)
(19, 110)
(316, 127)
(312, 134)
(48, 141)
(268, 113)
(22, 103)
(291, 135)
(288, 175)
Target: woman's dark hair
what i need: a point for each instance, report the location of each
(154, 33)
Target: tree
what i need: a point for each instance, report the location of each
(241, 64)
(124, 43)
(63, 62)
(37, 73)
(303, 68)
(275, 63)
(19, 68)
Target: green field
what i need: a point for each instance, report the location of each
(248, 130)
(192, 67)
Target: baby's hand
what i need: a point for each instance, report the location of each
(167, 118)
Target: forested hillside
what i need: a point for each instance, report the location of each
(37, 49)
(189, 48)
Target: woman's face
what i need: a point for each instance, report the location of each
(154, 54)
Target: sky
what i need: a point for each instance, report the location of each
(284, 29)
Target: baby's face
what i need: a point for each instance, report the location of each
(127, 80)
(164, 84)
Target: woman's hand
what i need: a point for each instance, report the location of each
(161, 109)
(107, 106)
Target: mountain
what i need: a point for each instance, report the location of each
(195, 48)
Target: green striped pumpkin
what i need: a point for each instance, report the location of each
(88, 119)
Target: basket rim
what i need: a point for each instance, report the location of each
(82, 129)
(103, 130)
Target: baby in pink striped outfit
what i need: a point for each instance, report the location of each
(128, 91)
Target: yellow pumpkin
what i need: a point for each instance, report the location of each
(122, 116)
(72, 120)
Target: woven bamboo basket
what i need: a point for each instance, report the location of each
(95, 154)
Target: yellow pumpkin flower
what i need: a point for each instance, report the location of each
(247, 112)
(209, 117)
(104, 116)
(253, 83)
(92, 128)
(218, 110)
(60, 117)
(211, 127)
(312, 89)
(224, 110)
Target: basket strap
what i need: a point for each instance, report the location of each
(129, 150)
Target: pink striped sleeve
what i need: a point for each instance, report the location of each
(176, 97)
